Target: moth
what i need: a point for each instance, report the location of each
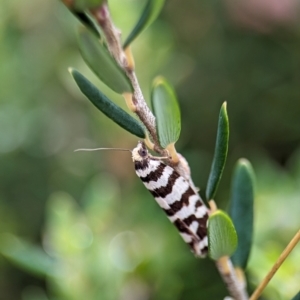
(174, 194)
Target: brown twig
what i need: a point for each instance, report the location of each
(276, 266)
(140, 107)
(112, 35)
(234, 286)
(136, 102)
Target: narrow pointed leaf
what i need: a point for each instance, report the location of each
(222, 237)
(149, 14)
(86, 20)
(241, 210)
(106, 106)
(102, 63)
(166, 111)
(82, 16)
(26, 255)
(220, 154)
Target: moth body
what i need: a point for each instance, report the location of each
(176, 197)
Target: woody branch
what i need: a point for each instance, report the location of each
(141, 109)
(112, 35)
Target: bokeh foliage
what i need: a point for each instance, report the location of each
(53, 197)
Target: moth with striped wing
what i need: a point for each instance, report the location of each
(175, 196)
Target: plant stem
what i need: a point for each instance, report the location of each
(138, 104)
(234, 286)
(112, 35)
(140, 107)
(276, 266)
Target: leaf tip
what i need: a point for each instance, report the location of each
(158, 81)
(243, 162)
(223, 111)
(71, 70)
(246, 165)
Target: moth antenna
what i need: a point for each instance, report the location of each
(98, 149)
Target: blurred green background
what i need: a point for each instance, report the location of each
(81, 225)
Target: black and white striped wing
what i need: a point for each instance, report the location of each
(182, 205)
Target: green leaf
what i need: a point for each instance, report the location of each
(86, 20)
(297, 297)
(149, 14)
(220, 154)
(26, 255)
(166, 111)
(102, 63)
(106, 106)
(222, 237)
(241, 210)
(82, 5)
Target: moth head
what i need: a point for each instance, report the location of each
(140, 152)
